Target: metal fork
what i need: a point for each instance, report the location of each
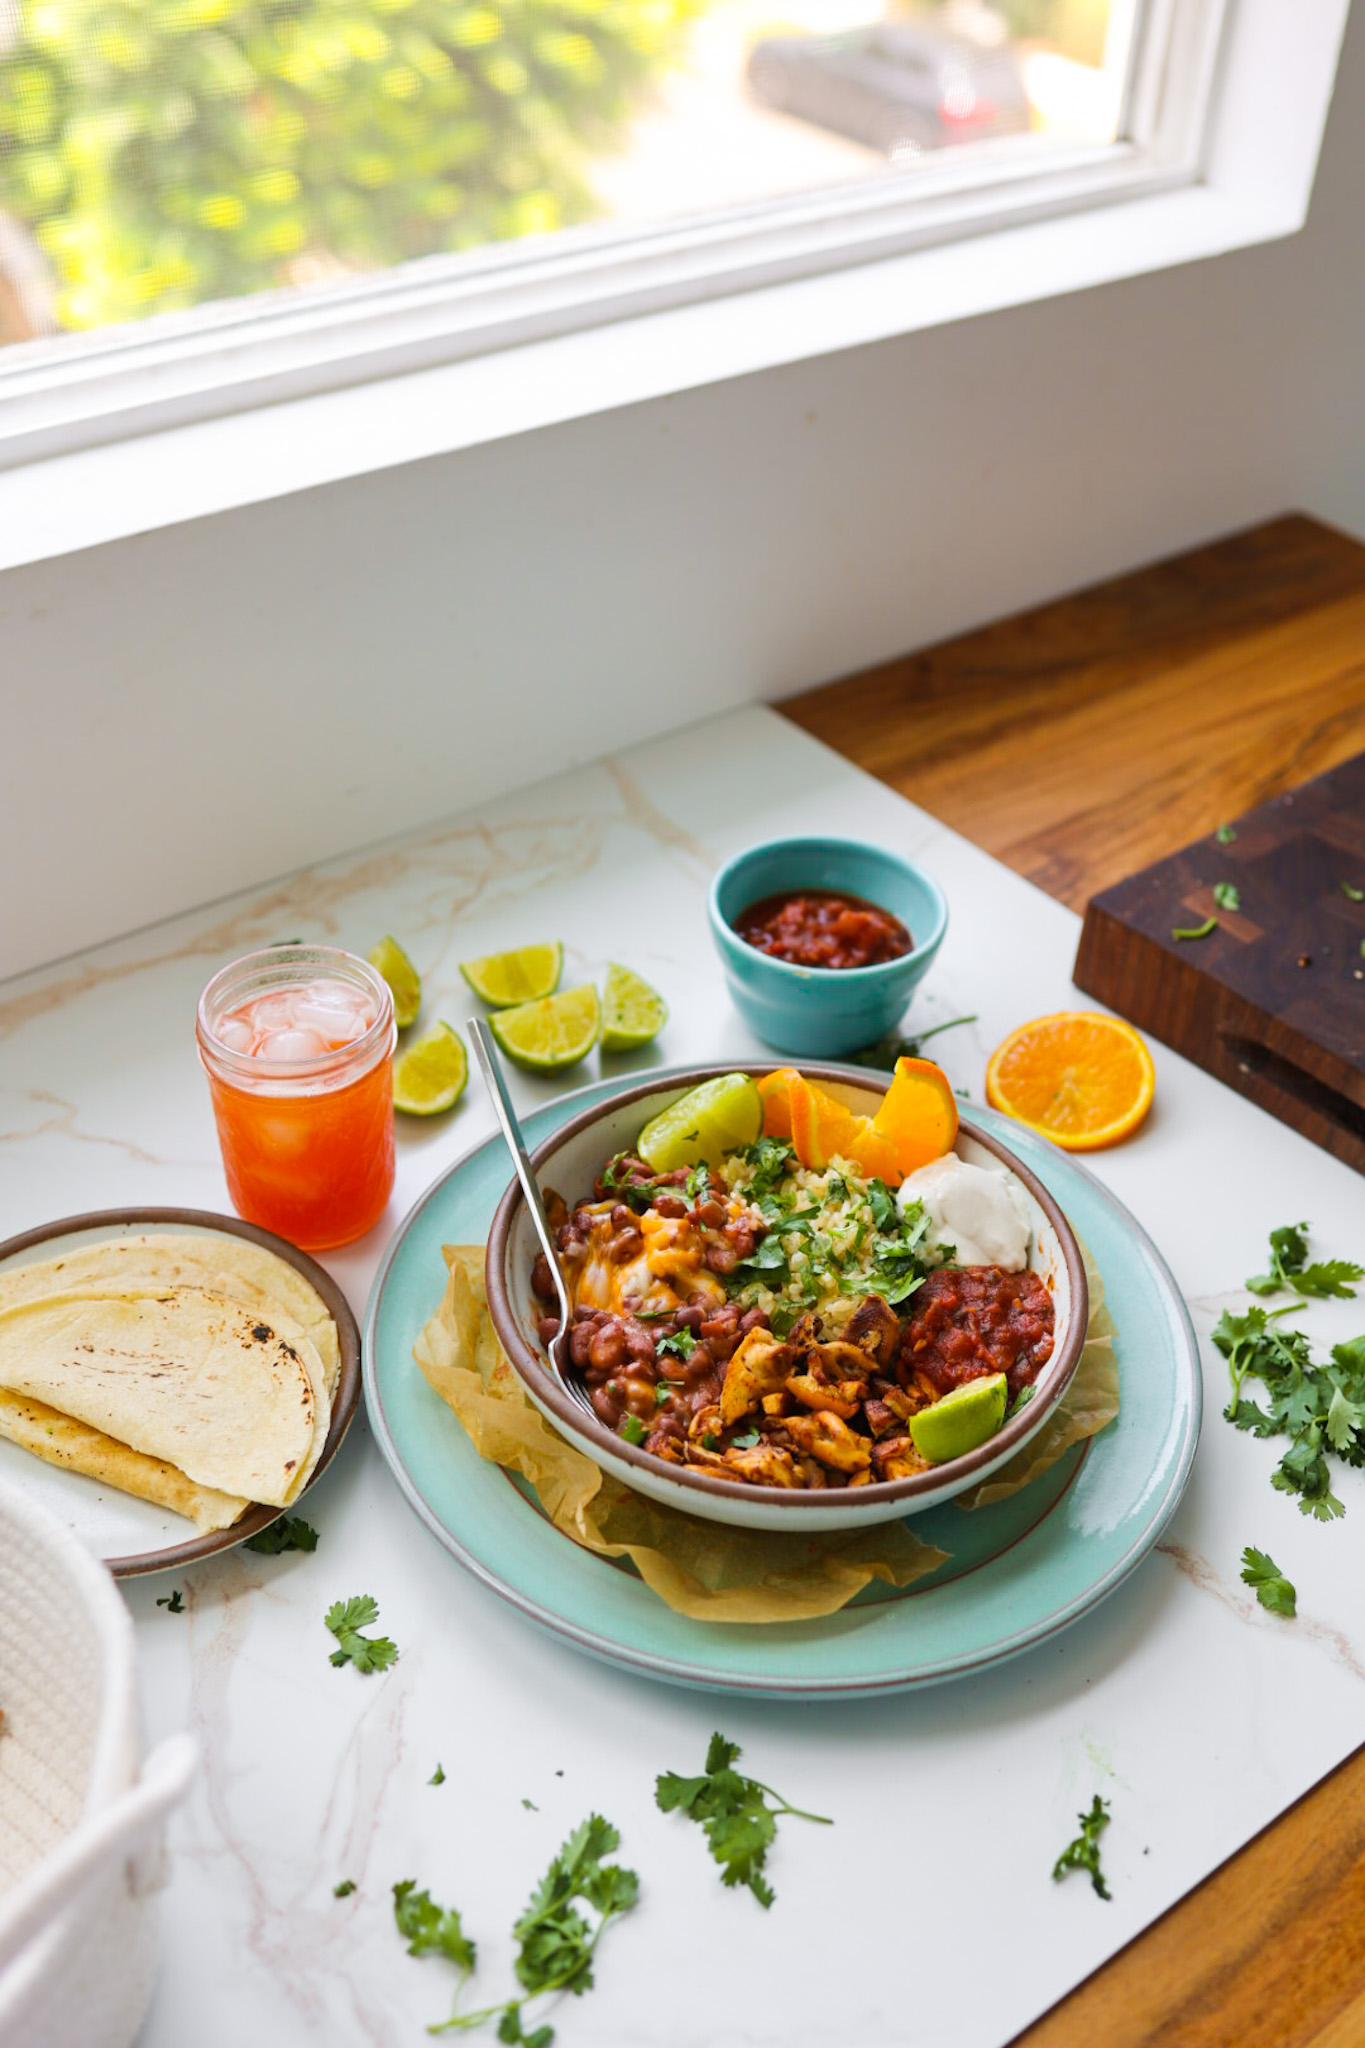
(491, 1069)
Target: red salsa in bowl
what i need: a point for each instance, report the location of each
(823, 928)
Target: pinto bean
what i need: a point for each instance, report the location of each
(627, 1246)
(689, 1318)
(606, 1407)
(709, 1214)
(670, 1205)
(721, 1258)
(547, 1329)
(580, 1343)
(640, 1344)
(607, 1348)
(622, 1218)
(722, 1322)
(542, 1282)
(753, 1319)
(742, 1238)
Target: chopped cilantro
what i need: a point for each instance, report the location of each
(1289, 1270)
(1227, 895)
(291, 1532)
(677, 1344)
(1273, 1589)
(1225, 835)
(344, 1889)
(530, 1804)
(733, 1810)
(632, 1429)
(771, 1159)
(1084, 1852)
(745, 1442)
(1350, 889)
(438, 1776)
(1195, 931)
(346, 1618)
(698, 1185)
(172, 1602)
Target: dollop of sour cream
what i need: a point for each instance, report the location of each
(976, 1209)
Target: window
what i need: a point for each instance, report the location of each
(300, 192)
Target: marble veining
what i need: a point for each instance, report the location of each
(1166, 1698)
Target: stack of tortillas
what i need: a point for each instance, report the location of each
(194, 1371)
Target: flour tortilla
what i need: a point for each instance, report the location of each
(61, 1440)
(164, 1262)
(234, 1401)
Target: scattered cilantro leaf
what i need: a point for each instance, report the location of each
(344, 1889)
(1225, 835)
(346, 1618)
(1084, 1852)
(632, 1429)
(172, 1602)
(530, 1804)
(1289, 1269)
(1273, 1589)
(733, 1810)
(745, 1442)
(438, 1776)
(1227, 896)
(770, 1158)
(1356, 895)
(884, 1054)
(1193, 931)
(428, 1929)
(698, 1183)
(677, 1344)
(1302, 1405)
(291, 1532)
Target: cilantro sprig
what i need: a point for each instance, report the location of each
(1291, 1273)
(1273, 1589)
(556, 1943)
(1084, 1852)
(431, 1930)
(346, 1618)
(1321, 1407)
(739, 1824)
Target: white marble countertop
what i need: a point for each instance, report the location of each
(950, 1805)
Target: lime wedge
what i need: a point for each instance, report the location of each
(632, 1012)
(961, 1420)
(405, 984)
(555, 1032)
(429, 1075)
(521, 977)
(710, 1120)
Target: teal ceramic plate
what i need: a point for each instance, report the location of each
(1017, 1573)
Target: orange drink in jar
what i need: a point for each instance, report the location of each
(297, 1043)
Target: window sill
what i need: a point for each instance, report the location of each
(55, 506)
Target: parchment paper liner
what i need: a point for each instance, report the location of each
(704, 1569)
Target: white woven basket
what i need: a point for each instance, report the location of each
(81, 1854)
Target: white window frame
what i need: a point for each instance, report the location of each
(239, 354)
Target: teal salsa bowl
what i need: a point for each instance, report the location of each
(824, 1012)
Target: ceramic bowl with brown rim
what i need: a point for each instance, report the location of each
(570, 1162)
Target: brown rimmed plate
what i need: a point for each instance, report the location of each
(132, 1536)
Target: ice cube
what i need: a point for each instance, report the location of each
(236, 1034)
(274, 1012)
(338, 1014)
(291, 1044)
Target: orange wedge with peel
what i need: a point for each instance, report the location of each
(1082, 1079)
(777, 1115)
(918, 1116)
(822, 1130)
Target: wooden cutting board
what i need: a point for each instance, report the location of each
(1273, 1000)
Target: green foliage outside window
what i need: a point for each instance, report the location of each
(171, 151)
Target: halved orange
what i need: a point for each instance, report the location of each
(1082, 1079)
(918, 1116)
(777, 1115)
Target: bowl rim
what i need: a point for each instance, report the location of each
(586, 1430)
(921, 950)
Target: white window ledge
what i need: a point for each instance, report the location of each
(1254, 187)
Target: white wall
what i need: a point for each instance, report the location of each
(197, 709)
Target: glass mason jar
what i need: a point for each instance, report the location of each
(298, 1043)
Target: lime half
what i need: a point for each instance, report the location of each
(503, 979)
(961, 1420)
(555, 1032)
(429, 1075)
(710, 1120)
(632, 1012)
(405, 984)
